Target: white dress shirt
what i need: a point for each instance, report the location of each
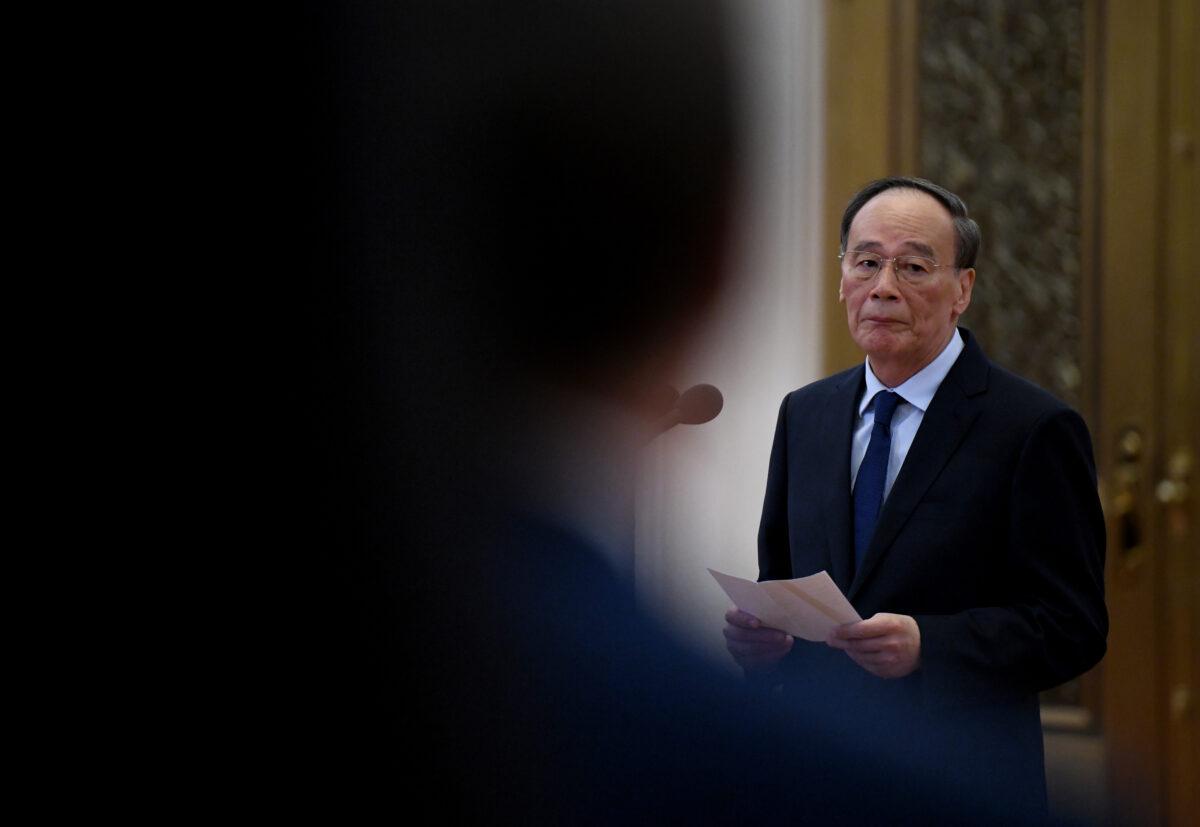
(918, 391)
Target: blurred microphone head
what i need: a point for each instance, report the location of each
(699, 404)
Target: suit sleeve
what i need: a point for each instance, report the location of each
(1057, 626)
(774, 559)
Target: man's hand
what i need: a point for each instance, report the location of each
(884, 644)
(755, 647)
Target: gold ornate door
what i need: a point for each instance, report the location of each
(1070, 129)
(1149, 383)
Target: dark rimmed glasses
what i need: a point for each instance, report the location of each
(861, 265)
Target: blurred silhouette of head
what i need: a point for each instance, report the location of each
(563, 179)
(501, 201)
(510, 200)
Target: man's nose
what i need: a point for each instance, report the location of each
(887, 282)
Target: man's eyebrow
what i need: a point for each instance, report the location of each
(864, 246)
(916, 246)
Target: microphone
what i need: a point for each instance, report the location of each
(695, 406)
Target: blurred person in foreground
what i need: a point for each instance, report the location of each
(520, 223)
(955, 505)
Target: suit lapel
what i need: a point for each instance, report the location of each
(955, 406)
(837, 422)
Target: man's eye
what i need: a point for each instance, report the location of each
(916, 267)
(868, 264)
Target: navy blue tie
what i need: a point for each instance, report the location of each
(868, 485)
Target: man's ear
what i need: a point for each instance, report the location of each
(966, 281)
(841, 295)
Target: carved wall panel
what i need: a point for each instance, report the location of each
(1000, 94)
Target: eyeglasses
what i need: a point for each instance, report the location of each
(863, 266)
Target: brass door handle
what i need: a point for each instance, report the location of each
(1127, 485)
(1174, 488)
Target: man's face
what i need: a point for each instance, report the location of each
(903, 326)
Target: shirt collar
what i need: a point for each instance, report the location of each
(918, 389)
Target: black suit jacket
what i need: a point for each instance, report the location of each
(992, 538)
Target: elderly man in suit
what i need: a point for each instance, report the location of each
(953, 502)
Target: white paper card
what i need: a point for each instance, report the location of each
(807, 607)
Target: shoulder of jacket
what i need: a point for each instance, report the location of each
(1022, 395)
(823, 387)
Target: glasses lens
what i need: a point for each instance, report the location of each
(914, 267)
(862, 265)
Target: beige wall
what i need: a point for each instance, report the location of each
(702, 486)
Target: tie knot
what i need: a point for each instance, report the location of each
(885, 407)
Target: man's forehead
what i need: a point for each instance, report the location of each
(916, 217)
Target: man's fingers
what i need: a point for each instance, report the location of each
(837, 642)
(752, 644)
(864, 645)
(843, 637)
(746, 620)
(872, 627)
(885, 643)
